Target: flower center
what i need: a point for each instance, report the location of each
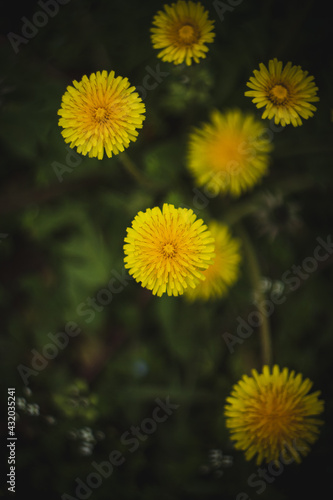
(101, 115)
(187, 34)
(228, 152)
(169, 250)
(279, 93)
(275, 417)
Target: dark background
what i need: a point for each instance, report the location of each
(61, 243)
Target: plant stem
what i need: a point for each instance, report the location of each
(255, 276)
(133, 170)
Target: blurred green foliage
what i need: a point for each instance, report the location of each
(62, 238)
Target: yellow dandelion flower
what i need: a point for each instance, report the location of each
(181, 32)
(286, 92)
(100, 113)
(271, 415)
(167, 250)
(230, 154)
(221, 275)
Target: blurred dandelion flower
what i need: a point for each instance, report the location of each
(286, 92)
(101, 113)
(181, 32)
(225, 270)
(271, 414)
(167, 250)
(230, 154)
